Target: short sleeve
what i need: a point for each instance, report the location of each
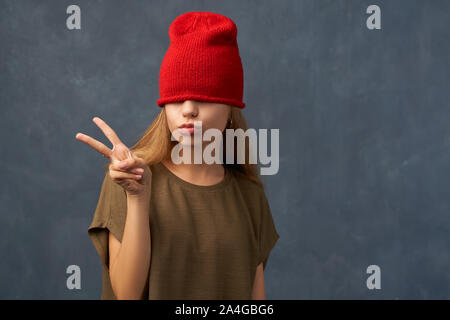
(109, 216)
(268, 235)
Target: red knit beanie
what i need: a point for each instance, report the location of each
(202, 61)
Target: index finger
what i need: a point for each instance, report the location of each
(95, 144)
(109, 133)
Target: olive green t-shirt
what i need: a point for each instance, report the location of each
(206, 241)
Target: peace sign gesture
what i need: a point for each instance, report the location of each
(126, 169)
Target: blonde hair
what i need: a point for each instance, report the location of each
(155, 144)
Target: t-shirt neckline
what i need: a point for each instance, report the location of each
(223, 183)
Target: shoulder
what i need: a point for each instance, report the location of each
(251, 190)
(245, 181)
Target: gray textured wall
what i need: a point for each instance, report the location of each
(364, 127)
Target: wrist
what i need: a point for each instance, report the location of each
(138, 197)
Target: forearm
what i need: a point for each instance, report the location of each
(259, 292)
(130, 269)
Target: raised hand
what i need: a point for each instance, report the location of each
(126, 169)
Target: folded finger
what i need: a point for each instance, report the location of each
(124, 175)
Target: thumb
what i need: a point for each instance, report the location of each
(132, 161)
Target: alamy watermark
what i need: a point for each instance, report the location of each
(257, 146)
(74, 280)
(374, 280)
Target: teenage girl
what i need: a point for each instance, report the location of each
(185, 231)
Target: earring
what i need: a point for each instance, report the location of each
(230, 123)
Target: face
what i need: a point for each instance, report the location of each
(212, 115)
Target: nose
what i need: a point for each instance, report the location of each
(189, 108)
